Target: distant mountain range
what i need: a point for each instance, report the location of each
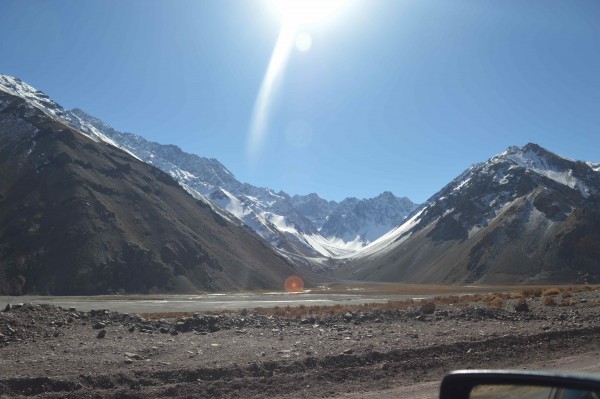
(86, 208)
(298, 226)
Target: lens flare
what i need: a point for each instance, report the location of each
(293, 284)
(303, 42)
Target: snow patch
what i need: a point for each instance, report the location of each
(390, 240)
(532, 161)
(462, 184)
(595, 166)
(41, 101)
(474, 230)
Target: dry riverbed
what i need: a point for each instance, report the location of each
(50, 352)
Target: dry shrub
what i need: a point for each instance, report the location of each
(532, 292)
(568, 302)
(551, 292)
(566, 293)
(549, 301)
(496, 303)
(495, 297)
(471, 298)
(298, 312)
(488, 298)
(493, 300)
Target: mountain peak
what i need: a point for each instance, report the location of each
(535, 158)
(526, 215)
(386, 194)
(529, 147)
(17, 87)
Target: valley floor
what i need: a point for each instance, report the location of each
(51, 352)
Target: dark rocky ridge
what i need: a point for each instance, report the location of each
(81, 217)
(501, 222)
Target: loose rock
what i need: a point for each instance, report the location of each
(522, 307)
(428, 308)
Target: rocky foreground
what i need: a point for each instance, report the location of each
(51, 352)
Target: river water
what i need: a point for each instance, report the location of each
(200, 303)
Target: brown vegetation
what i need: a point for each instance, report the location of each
(549, 301)
(494, 301)
(532, 292)
(551, 292)
(568, 302)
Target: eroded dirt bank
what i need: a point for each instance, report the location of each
(49, 352)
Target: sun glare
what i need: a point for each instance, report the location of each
(306, 12)
(295, 15)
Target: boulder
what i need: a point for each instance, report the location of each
(428, 308)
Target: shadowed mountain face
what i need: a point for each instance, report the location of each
(83, 217)
(526, 215)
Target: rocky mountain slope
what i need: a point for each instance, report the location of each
(80, 216)
(298, 226)
(308, 230)
(525, 215)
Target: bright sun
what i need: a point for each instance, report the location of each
(306, 12)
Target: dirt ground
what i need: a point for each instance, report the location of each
(51, 352)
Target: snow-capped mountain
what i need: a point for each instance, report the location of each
(299, 226)
(306, 226)
(525, 215)
(366, 220)
(44, 103)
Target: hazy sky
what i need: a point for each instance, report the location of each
(387, 94)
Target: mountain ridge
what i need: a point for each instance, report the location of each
(297, 229)
(294, 230)
(523, 204)
(81, 216)
(525, 215)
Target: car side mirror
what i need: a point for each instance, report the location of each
(505, 384)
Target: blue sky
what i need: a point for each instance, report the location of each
(393, 95)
